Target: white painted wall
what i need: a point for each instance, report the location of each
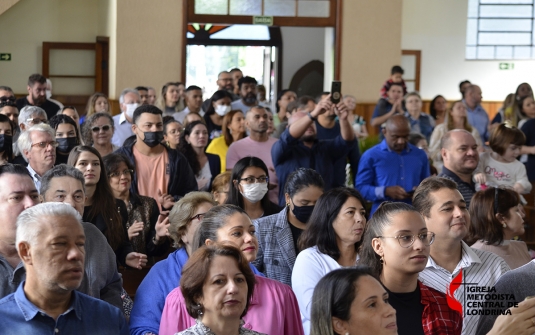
(438, 29)
(300, 46)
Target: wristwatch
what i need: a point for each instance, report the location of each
(311, 117)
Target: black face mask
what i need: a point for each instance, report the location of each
(6, 141)
(153, 138)
(302, 213)
(65, 145)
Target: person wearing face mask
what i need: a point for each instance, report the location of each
(129, 100)
(49, 94)
(278, 233)
(160, 172)
(67, 136)
(248, 99)
(6, 140)
(219, 106)
(249, 187)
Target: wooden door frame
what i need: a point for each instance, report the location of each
(334, 20)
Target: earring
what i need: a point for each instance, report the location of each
(382, 260)
(199, 310)
(287, 204)
(504, 225)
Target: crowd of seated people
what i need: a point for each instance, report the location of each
(250, 218)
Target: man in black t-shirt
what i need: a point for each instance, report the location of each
(37, 96)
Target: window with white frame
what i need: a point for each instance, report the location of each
(500, 29)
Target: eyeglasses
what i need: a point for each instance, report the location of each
(126, 173)
(7, 99)
(405, 241)
(253, 180)
(199, 217)
(96, 129)
(43, 145)
(36, 120)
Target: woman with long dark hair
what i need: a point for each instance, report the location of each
(219, 106)
(67, 136)
(248, 188)
(205, 166)
(330, 241)
(233, 129)
(6, 140)
(101, 207)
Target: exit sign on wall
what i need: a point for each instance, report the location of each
(5, 57)
(263, 20)
(507, 66)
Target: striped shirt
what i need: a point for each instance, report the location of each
(479, 267)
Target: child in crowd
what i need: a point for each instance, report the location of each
(396, 76)
(500, 167)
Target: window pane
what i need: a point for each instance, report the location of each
(243, 32)
(505, 11)
(504, 25)
(73, 86)
(485, 52)
(245, 7)
(313, 8)
(504, 52)
(471, 53)
(473, 8)
(471, 32)
(504, 38)
(72, 62)
(507, 1)
(522, 53)
(211, 7)
(279, 7)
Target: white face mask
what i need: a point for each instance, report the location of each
(48, 94)
(254, 192)
(222, 109)
(130, 108)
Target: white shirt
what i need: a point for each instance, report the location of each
(310, 266)
(123, 130)
(481, 267)
(36, 178)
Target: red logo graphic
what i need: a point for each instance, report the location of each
(456, 282)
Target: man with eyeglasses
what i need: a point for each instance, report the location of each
(37, 96)
(445, 213)
(224, 82)
(38, 147)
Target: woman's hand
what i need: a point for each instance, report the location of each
(161, 227)
(480, 178)
(136, 260)
(165, 200)
(135, 229)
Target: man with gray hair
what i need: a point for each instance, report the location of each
(38, 147)
(460, 156)
(129, 100)
(30, 116)
(64, 183)
(50, 241)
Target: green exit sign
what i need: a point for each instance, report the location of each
(507, 66)
(263, 20)
(5, 57)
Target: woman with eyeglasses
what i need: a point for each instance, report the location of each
(396, 248)
(67, 136)
(496, 217)
(172, 129)
(6, 140)
(146, 227)
(164, 276)
(330, 241)
(206, 167)
(248, 188)
(101, 208)
(97, 131)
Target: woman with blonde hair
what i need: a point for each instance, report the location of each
(456, 118)
(172, 98)
(97, 103)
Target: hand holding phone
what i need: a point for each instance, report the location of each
(336, 92)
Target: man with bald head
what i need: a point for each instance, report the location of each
(299, 147)
(477, 115)
(460, 156)
(391, 170)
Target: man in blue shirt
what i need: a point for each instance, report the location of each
(477, 116)
(391, 170)
(50, 241)
(299, 147)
